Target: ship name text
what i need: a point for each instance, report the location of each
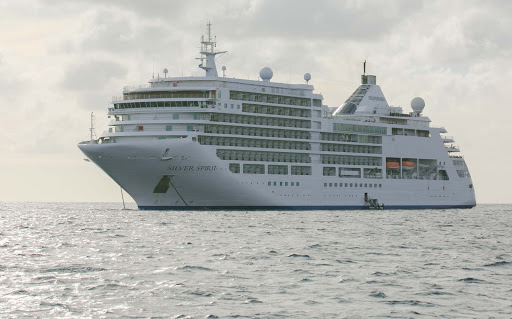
(201, 168)
(376, 98)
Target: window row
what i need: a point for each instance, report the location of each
(351, 160)
(301, 170)
(252, 131)
(269, 98)
(409, 132)
(354, 138)
(350, 172)
(263, 156)
(140, 128)
(277, 169)
(343, 127)
(274, 110)
(463, 173)
(254, 169)
(361, 185)
(352, 148)
(136, 105)
(459, 162)
(259, 120)
(167, 95)
(283, 183)
(272, 169)
(246, 142)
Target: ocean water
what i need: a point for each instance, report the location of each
(98, 260)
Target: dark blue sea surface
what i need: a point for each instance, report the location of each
(98, 260)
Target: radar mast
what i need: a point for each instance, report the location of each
(208, 53)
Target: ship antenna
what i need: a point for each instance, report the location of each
(209, 25)
(208, 53)
(364, 67)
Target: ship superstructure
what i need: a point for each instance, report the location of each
(218, 142)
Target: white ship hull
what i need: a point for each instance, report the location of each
(200, 180)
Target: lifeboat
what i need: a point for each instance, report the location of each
(392, 165)
(408, 164)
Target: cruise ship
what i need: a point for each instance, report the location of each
(214, 142)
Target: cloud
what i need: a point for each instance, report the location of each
(62, 60)
(121, 32)
(92, 75)
(327, 19)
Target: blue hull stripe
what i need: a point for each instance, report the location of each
(299, 207)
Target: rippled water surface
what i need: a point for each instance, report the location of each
(97, 260)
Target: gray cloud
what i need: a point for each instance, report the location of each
(329, 20)
(92, 75)
(455, 54)
(121, 32)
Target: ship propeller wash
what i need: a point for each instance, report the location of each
(225, 143)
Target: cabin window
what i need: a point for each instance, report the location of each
(235, 168)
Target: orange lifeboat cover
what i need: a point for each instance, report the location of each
(392, 164)
(408, 164)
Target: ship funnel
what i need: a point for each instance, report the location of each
(368, 79)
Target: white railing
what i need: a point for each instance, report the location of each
(136, 87)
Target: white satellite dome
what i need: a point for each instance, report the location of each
(307, 76)
(266, 74)
(417, 104)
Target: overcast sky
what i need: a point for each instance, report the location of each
(61, 60)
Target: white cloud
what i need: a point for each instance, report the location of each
(91, 75)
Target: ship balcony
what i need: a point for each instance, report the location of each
(452, 148)
(447, 139)
(441, 129)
